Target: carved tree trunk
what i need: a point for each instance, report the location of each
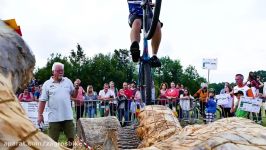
(224, 134)
(157, 123)
(16, 66)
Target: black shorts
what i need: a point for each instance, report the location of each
(132, 17)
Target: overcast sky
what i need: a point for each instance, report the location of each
(233, 31)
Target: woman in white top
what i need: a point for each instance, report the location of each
(226, 108)
(185, 100)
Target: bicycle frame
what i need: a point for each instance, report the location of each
(144, 59)
(145, 55)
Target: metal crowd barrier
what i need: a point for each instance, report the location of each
(187, 111)
(127, 114)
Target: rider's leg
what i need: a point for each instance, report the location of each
(135, 39)
(155, 43)
(135, 31)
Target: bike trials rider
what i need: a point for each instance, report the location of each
(135, 20)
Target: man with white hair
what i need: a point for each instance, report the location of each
(57, 91)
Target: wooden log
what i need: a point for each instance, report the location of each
(106, 133)
(94, 131)
(224, 134)
(157, 123)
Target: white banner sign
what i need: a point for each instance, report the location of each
(250, 104)
(210, 64)
(223, 99)
(31, 109)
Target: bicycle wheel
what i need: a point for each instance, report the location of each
(218, 114)
(194, 115)
(146, 83)
(150, 21)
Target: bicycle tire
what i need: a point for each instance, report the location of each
(219, 116)
(146, 83)
(194, 115)
(150, 28)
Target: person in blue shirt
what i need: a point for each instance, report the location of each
(135, 20)
(211, 107)
(91, 104)
(37, 92)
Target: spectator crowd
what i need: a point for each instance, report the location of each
(126, 103)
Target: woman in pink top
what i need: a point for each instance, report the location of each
(79, 100)
(162, 96)
(172, 94)
(26, 96)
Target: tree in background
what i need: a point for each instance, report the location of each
(218, 86)
(117, 67)
(191, 79)
(100, 70)
(171, 70)
(44, 73)
(262, 75)
(77, 59)
(124, 64)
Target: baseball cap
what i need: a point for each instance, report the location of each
(238, 92)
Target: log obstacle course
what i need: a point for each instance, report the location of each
(159, 129)
(224, 134)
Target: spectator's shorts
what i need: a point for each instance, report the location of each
(56, 127)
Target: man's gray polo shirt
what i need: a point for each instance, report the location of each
(58, 97)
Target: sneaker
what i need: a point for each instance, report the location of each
(135, 52)
(155, 62)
